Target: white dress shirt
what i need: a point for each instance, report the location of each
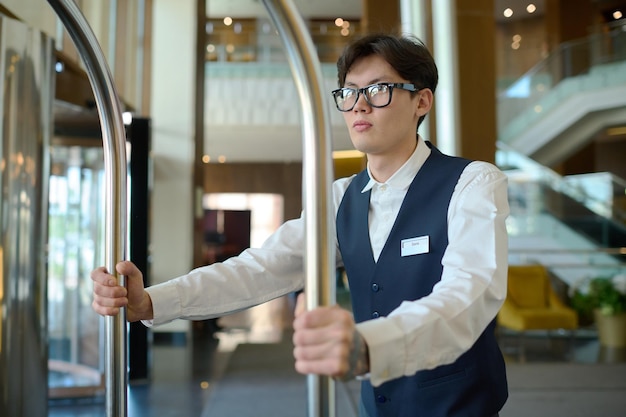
(417, 335)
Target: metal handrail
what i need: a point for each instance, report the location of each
(114, 144)
(319, 251)
(604, 251)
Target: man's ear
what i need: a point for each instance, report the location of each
(424, 102)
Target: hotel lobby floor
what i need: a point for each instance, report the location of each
(236, 373)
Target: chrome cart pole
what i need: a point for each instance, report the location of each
(317, 176)
(114, 144)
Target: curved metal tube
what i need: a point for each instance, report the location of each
(114, 143)
(319, 248)
(319, 251)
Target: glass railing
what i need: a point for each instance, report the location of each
(261, 70)
(574, 225)
(602, 193)
(261, 43)
(598, 61)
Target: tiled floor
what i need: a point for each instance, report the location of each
(186, 365)
(185, 368)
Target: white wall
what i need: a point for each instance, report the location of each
(37, 13)
(253, 112)
(172, 135)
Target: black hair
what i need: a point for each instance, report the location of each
(408, 56)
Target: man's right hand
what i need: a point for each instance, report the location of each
(109, 296)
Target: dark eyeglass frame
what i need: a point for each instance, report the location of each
(402, 86)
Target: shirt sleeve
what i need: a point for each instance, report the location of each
(255, 276)
(437, 329)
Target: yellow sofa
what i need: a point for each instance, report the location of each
(532, 304)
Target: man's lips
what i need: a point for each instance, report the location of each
(361, 125)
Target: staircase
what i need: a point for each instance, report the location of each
(575, 225)
(556, 107)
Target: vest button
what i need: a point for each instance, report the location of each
(381, 399)
(375, 315)
(375, 287)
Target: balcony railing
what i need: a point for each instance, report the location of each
(575, 224)
(592, 63)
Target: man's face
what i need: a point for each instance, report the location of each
(382, 132)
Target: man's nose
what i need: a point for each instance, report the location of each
(361, 103)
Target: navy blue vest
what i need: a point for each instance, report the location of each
(474, 385)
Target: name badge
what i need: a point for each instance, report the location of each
(414, 246)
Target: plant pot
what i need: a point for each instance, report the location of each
(611, 329)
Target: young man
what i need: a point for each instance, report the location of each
(422, 237)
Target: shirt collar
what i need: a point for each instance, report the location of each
(402, 178)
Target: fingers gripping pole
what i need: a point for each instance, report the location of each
(114, 144)
(317, 169)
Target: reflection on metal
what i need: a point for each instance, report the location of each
(25, 109)
(319, 248)
(114, 143)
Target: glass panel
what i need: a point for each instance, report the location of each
(255, 40)
(557, 221)
(76, 230)
(598, 61)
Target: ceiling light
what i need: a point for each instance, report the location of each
(221, 159)
(228, 21)
(338, 22)
(508, 12)
(206, 159)
(517, 38)
(617, 15)
(531, 8)
(127, 118)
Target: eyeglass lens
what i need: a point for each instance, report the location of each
(377, 95)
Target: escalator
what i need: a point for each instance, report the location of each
(603, 231)
(575, 225)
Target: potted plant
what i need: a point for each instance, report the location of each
(604, 300)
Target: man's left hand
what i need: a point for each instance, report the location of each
(326, 342)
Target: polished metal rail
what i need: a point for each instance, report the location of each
(114, 144)
(319, 250)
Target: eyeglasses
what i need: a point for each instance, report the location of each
(376, 95)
